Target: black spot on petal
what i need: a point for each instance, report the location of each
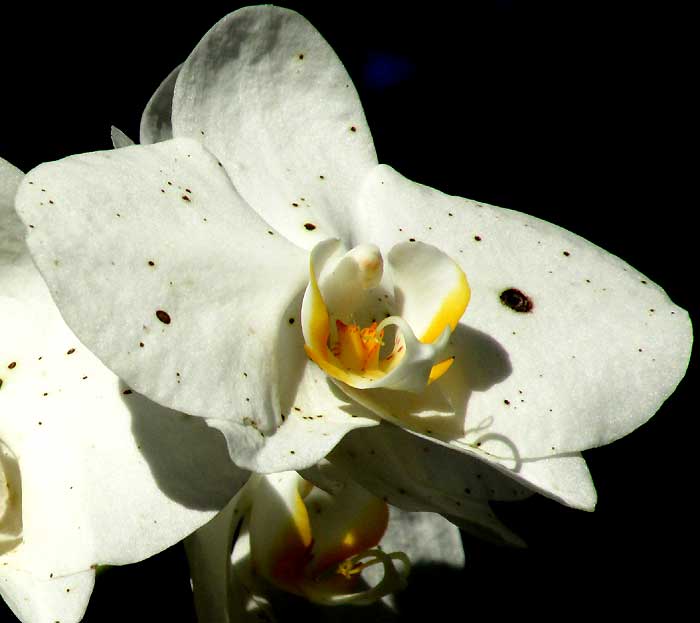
(163, 316)
(309, 226)
(516, 300)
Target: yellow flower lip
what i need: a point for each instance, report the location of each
(435, 294)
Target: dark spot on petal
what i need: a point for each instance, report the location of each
(126, 392)
(70, 351)
(353, 128)
(642, 281)
(321, 177)
(187, 190)
(151, 263)
(567, 254)
(163, 316)
(301, 57)
(185, 198)
(291, 321)
(12, 365)
(296, 205)
(411, 239)
(516, 300)
(272, 233)
(477, 238)
(141, 344)
(506, 402)
(309, 226)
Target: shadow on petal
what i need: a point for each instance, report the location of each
(188, 459)
(441, 410)
(292, 357)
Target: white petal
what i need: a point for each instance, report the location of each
(44, 600)
(427, 538)
(172, 286)
(594, 357)
(417, 474)
(173, 289)
(156, 123)
(105, 476)
(269, 97)
(119, 139)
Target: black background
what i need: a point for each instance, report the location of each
(574, 112)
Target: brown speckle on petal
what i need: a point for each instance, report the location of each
(163, 316)
(309, 226)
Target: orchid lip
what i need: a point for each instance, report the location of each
(340, 285)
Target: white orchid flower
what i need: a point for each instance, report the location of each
(91, 473)
(227, 273)
(283, 534)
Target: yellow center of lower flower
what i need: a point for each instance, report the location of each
(311, 543)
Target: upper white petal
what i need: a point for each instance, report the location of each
(269, 97)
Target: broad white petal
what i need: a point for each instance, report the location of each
(105, 477)
(172, 285)
(186, 294)
(156, 120)
(563, 346)
(269, 97)
(46, 600)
